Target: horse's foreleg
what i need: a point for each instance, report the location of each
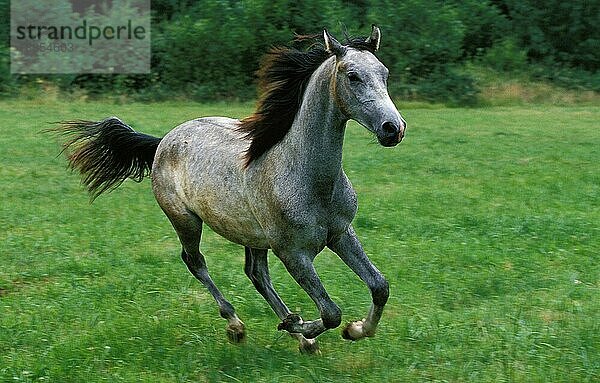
(300, 267)
(349, 249)
(257, 270)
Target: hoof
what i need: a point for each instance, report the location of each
(289, 323)
(353, 331)
(236, 333)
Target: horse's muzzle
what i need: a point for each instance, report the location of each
(391, 133)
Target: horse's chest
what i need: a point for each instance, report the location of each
(297, 212)
(341, 210)
(312, 221)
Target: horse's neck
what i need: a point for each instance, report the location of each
(314, 143)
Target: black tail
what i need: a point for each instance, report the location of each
(107, 152)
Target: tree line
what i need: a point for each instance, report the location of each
(210, 49)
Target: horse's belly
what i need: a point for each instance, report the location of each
(236, 225)
(219, 199)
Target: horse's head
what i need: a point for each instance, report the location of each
(360, 88)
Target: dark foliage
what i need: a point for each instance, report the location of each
(210, 49)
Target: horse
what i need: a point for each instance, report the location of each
(273, 180)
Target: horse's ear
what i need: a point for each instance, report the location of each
(375, 38)
(332, 45)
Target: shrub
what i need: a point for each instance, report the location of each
(422, 42)
(505, 56)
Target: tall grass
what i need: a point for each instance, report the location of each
(485, 221)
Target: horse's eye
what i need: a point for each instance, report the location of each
(353, 77)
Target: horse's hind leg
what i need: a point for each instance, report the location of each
(197, 266)
(189, 229)
(257, 269)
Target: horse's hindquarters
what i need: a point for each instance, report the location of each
(198, 168)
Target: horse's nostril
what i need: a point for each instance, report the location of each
(390, 128)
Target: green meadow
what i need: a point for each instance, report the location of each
(485, 221)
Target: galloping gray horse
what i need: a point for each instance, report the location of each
(273, 180)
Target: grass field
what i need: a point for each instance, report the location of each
(485, 221)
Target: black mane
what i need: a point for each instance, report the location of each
(282, 79)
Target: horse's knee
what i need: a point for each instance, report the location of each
(380, 291)
(332, 316)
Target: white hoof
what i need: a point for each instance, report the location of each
(357, 330)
